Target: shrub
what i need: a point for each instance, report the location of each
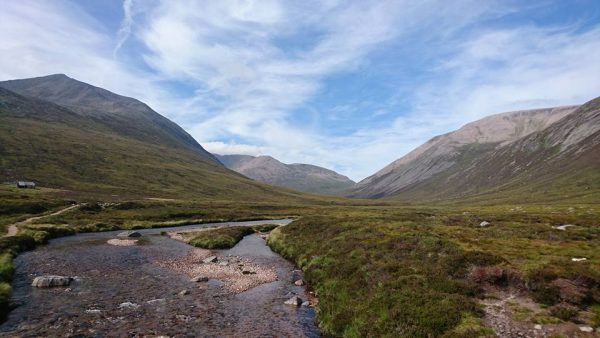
(564, 311)
(5, 291)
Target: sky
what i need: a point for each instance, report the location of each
(348, 85)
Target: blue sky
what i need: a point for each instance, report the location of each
(349, 85)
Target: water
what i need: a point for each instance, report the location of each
(111, 275)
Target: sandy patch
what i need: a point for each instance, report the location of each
(122, 242)
(238, 275)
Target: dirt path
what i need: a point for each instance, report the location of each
(13, 229)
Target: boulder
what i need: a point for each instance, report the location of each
(128, 305)
(129, 233)
(299, 282)
(211, 259)
(295, 301)
(199, 279)
(51, 281)
(184, 292)
(484, 224)
(306, 303)
(586, 329)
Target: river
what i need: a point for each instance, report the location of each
(128, 291)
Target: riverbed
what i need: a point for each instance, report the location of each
(128, 291)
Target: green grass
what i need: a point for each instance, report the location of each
(220, 238)
(264, 227)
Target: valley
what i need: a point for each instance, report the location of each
(489, 230)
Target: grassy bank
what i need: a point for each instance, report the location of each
(220, 238)
(223, 238)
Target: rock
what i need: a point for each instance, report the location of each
(306, 303)
(51, 281)
(586, 329)
(184, 292)
(211, 259)
(93, 311)
(199, 279)
(129, 233)
(537, 327)
(575, 259)
(128, 305)
(224, 263)
(484, 224)
(295, 301)
(564, 227)
(299, 282)
(248, 272)
(156, 301)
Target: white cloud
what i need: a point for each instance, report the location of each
(126, 24)
(248, 66)
(232, 148)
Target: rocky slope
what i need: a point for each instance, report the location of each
(302, 177)
(499, 153)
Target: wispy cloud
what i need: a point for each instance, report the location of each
(126, 24)
(245, 76)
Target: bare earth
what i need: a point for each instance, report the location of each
(13, 229)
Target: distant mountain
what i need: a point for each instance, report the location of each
(122, 115)
(104, 143)
(302, 177)
(544, 153)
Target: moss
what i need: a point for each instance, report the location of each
(595, 310)
(470, 326)
(6, 267)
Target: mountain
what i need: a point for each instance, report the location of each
(302, 177)
(84, 147)
(122, 115)
(544, 153)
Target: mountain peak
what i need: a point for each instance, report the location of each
(303, 177)
(121, 114)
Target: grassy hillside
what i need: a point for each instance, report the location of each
(118, 114)
(58, 148)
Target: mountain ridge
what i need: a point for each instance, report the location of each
(121, 113)
(297, 176)
(446, 158)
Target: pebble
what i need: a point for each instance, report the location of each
(156, 301)
(586, 329)
(129, 234)
(211, 259)
(299, 282)
(184, 292)
(537, 327)
(199, 279)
